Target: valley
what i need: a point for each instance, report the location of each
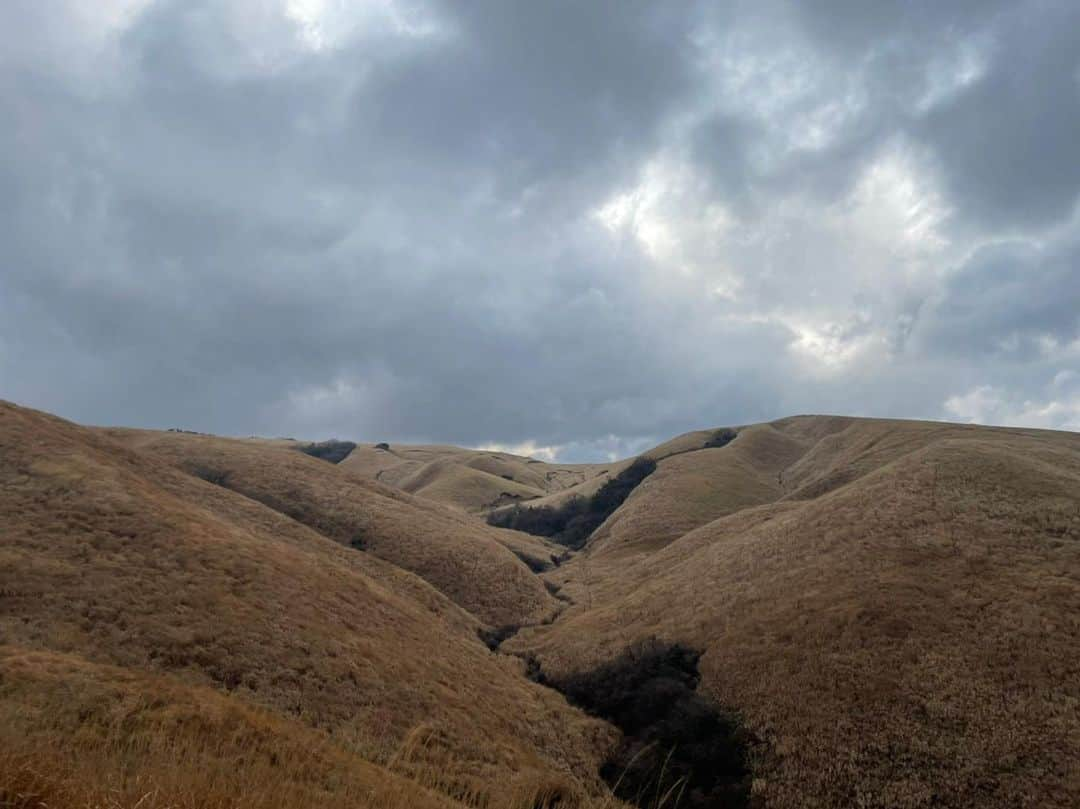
(816, 611)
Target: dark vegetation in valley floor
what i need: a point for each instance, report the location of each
(573, 522)
(494, 636)
(678, 748)
(556, 591)
(333, 451)
(536, 564)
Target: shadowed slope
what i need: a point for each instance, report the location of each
(585, 489)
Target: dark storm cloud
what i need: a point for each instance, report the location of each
(1008, 145)
(581, 225)
(1011, 299)
(536, 90)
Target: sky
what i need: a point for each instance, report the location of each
(569, 229)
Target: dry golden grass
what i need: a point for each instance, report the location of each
(462, 557)
(893, 607)
(391, 465)
(471, 480)
(458, 484)
(909, 637)
(121, 560)
(599, 474)
(691, 488)
(74, 734)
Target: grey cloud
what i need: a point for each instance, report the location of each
(212, 226)
(537, 89)
(1007, 299)
(857, 26)
(1008, 145)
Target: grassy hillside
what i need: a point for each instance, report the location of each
(471, 480)
(897, 619)
(882, 613)
(461, 557)
(74, 733)
(113, 560)
(696, 485)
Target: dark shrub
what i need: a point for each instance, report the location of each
(382, 445)
(333, 451)
(219, 477)
(674, 738)
(573, 522)
(556, 591)
(545, 521)
(533, 670)
(612, 494)
(533, 563)
(720, 438)
(494, 636)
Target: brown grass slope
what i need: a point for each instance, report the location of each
(586, 488)
(907, 638)
(450, 481)
(463, 558)
(110, 558)
(842, 450)
(691, 487)
(391, 465)
(472, 480)
(73, 733)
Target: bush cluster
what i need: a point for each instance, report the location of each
(534, 563)
(673, 737)
(333, 451)
(572, 523)
(494, 636)
(720, 438)
(219, 477)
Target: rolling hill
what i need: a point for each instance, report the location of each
(893, 607)
(468, 561)
(472, 480)
(141, 607)
(886, 613)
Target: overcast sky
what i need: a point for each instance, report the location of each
(572, 228)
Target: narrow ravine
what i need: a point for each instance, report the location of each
(679, 748)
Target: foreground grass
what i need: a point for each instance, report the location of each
(74, 735)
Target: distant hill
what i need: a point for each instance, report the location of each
(472, 480)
